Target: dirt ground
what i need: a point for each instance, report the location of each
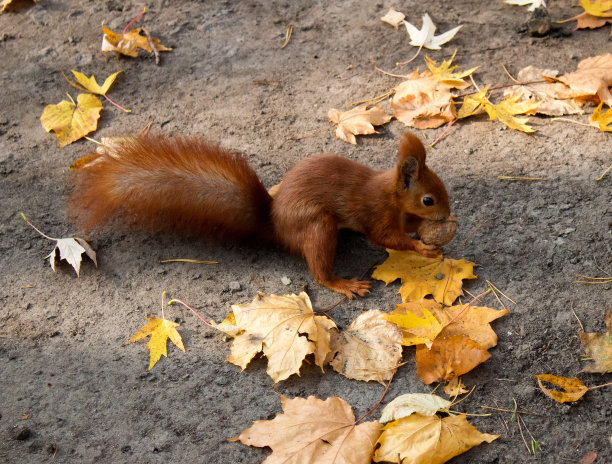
(71, 390)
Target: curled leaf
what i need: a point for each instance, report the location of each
(357, 121)
(424, 404)
(573, 389)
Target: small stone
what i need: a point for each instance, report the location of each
(235, 286)
(285, 280)
(539, 24)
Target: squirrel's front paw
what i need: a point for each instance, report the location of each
(429, 251)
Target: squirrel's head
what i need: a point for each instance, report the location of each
(420, 191)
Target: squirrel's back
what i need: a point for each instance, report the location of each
(181, 183)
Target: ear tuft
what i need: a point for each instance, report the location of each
(411, 147)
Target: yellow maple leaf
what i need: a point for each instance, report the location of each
(285, 328)
(455, 388)
(160, 330)
(315, 431)
(129, 43)
(592, 78)
(70, 121)
(601, 8)
(602, 120)
(91, 85)
(368, 349)
(405, 405)
(417, 322)
(506, 111)
(574, 389)
(444, 73)
(472, 104)
(418, 439)
(358, 121)
(421, 276)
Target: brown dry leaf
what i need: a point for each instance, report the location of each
(587, 21)
(421, 276)
(428, 440)
(449, 357)
(160, 330)
(395, 18)
(10, 5)
(593, 76)
(285, 329)
(314, 431)
(574, 389)
(601, 120)
(424, 100)
(599, 347)
(554, 97)
(369, 349)
(129, 43)
(358, 121)
(70, 121)
(417, 322)
(455, 388)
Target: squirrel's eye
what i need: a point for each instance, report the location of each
(428, 201)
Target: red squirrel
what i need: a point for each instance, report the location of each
(192, 185)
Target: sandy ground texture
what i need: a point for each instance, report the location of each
(73, 391)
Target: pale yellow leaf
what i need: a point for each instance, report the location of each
(424, 404)
(358, 121)
(420, 439)
(314, 431)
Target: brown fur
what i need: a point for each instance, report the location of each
(192, 185)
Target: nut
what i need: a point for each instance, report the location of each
(437, 233)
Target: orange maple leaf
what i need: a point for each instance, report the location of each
(358, 121)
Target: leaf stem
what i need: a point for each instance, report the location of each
(134, 20)
(117, 105)
(191, 309)
(379, 401)
(36, 229)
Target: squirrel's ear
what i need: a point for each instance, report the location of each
(411, 159)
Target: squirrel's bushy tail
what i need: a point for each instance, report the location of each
(180, 183)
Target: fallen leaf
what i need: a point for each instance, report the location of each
(424, 100)
(448, 357)
(10, 5)
(72, 121)
(428, 439)
(395, 18)
(599, 347)
(574, 389)
(368, 349)
(554, 97)
(588, 458)
(417, 323)
(91, 85)
(602, 120)
(228, 326)
(587, 21)
(455, 387)
(445, 73)
(160, 330)
(129, 43)
(421, 276)
(357, 121)
(314, 431)
(592, 77)
(425, 36)
(285, 329)
(424, 404)
(71, 250)
(506, 111)
(602, 8)
(472, 104)
(533, 4)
